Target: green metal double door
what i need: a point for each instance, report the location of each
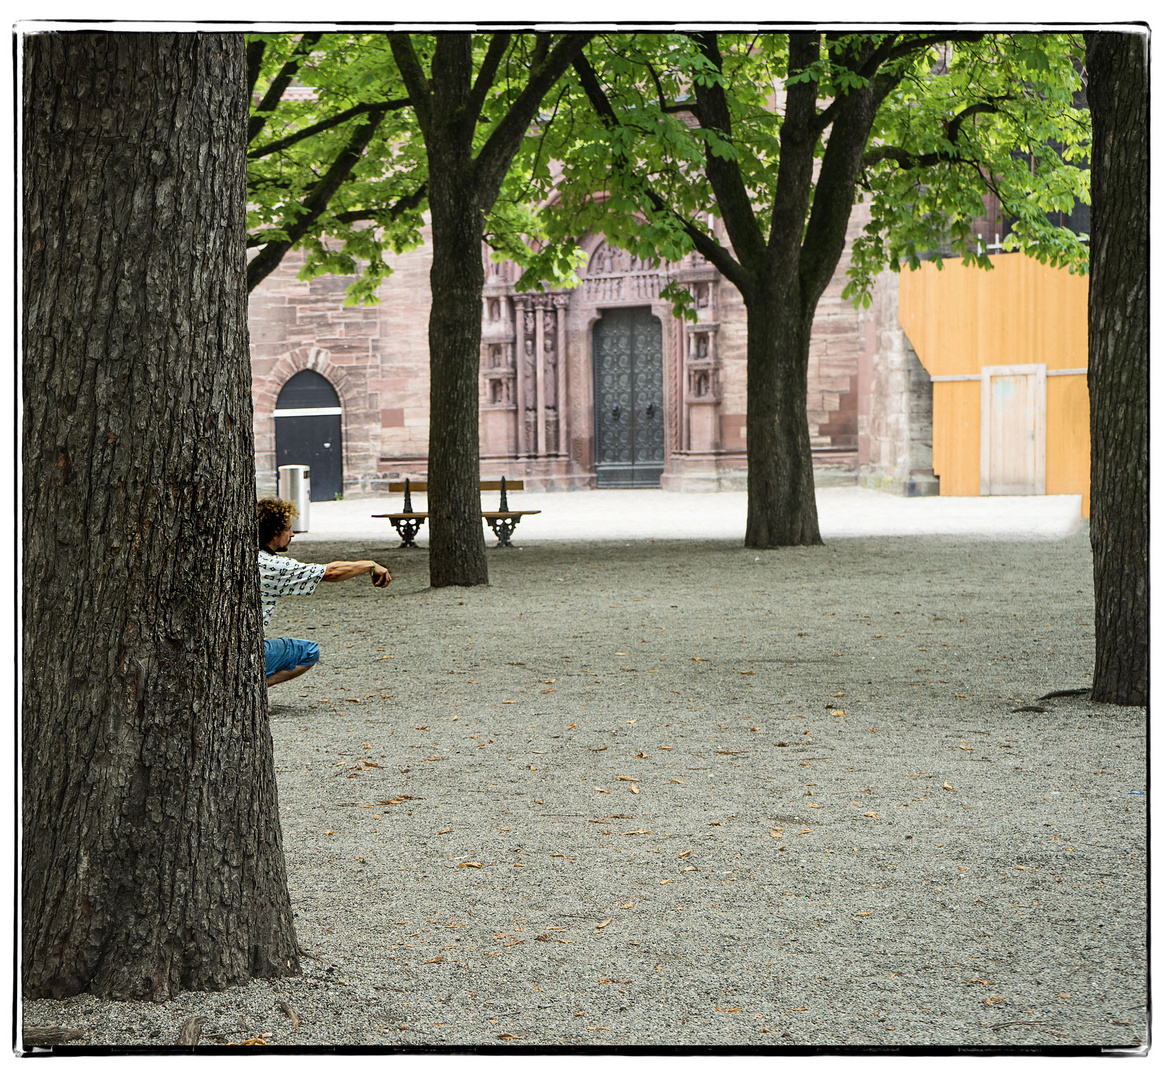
(628, 399)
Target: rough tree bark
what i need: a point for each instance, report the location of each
(152, 858)
(1119, 352)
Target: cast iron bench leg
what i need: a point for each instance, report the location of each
(408, 529)
(503, 525)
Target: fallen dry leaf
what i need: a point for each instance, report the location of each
(505, 1035)
(838, 712)
(683, 854)
(628, 904)
(629, 779)
(993, 1000)
(634, 789)
(947, 786)
(871, 813)
(471, 865)
(860, 914)
(603, 923)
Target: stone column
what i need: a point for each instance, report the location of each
(539, 374)
(561, 304)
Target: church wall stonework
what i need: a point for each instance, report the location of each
(864, 400)
(895, 425)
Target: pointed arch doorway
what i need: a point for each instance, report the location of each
(308, 418)
(628, 398)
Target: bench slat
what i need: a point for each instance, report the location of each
(485, 485)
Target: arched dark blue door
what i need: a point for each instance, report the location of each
(308, 420)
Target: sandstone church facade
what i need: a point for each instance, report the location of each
(595, 386)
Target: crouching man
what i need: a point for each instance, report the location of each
(286, 658)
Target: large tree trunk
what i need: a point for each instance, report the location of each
(782, 507)
(151, 859)
(457, 279)
(1119, 324)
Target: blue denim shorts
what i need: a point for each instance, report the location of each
(287, 653)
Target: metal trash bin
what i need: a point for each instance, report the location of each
(293, 486)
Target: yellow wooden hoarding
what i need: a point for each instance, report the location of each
(966, 324)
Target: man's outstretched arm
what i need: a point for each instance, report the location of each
(343, 571)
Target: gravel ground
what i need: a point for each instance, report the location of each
(683, 794)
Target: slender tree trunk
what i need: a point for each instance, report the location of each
(782, 509)
(152, 858)
(1119, 350)
(457, 553)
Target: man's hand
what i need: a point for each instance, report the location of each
(380, 576)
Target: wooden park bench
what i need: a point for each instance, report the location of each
(502, 521)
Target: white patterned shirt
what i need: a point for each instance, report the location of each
(282, 576)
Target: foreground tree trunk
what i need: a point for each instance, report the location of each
(1119, 323)
(151, 858)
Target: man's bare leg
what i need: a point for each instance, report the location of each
(285, 676)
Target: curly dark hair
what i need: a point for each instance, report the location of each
(273, 517)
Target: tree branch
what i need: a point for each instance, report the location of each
(871, 66)
(384, 216)
(325, 125)
(906, 160)
(709, 248)
(280, 84)
(316, 200)
(724, 175)
(255, 57)
(414, 78)
(497, 47)
(498, 151)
